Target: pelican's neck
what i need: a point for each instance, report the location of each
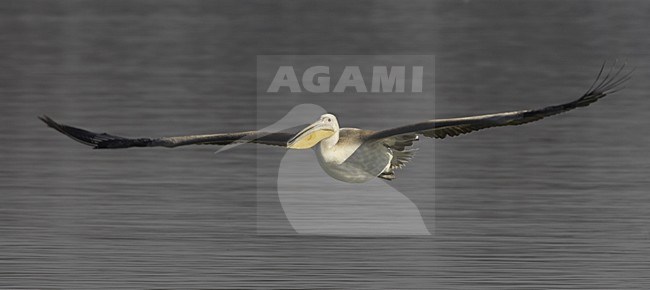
(330, 142)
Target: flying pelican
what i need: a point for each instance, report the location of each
(356, 155)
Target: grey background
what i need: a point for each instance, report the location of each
(561, 203)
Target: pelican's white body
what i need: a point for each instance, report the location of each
(351, 159)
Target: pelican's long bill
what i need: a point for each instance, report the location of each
(311, 135)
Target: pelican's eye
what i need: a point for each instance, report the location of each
(328, 120)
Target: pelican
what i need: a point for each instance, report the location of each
(357, 155)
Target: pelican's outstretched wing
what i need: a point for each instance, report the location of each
(107, 141)
(441, 128)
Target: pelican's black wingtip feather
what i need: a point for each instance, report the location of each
(602, 68)
(79, 135)
(612, 82)
(96, 140)
(48, 121)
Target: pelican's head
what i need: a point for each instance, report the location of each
(323, 128)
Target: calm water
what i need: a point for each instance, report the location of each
(562, 203)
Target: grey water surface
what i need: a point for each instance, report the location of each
(561, 203)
